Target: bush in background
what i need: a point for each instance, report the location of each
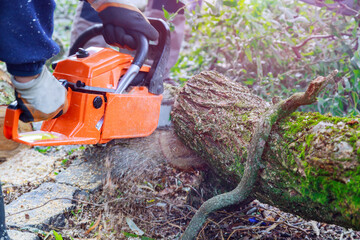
(63, 19)
(276, 47)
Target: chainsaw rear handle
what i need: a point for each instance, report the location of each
(141, 40)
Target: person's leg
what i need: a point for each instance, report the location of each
(25, 45)
(3, 233)
(26, 42)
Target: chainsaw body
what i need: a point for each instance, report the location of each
(112, 95)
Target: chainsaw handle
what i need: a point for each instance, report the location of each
(85, 37)
(142, 51)
(139, 59)
(141, 40)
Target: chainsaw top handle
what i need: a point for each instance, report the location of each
(157, 51)
(141, 40)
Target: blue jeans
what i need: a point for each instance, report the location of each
(26, 28)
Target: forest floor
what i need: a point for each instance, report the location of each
(157, 205)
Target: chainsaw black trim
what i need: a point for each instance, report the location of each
(85, 37)
(89, 89)
(138, 81)
(13, 106)
(59, 114)
(160, 54)
(97, 29)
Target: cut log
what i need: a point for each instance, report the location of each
(310, 164)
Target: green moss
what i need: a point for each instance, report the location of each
(245, 117)
(355, 136)
(358, 151)
(273, 118)
(326, 180)
(345, 197)
(291, 159)
(238, 167)
(298, 121)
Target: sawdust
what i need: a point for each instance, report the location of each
(26, 166)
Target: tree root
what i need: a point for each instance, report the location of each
(255, 149)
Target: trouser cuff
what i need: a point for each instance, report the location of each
(25, 69)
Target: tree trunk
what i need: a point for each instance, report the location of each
(310, 164)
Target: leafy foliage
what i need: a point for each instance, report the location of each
(57, 235)
(64, 17)
(276, 47)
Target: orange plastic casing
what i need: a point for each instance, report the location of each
(135, 114)
(129, 115)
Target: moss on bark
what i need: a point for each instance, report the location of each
(312, 166)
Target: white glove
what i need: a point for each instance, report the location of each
(42, 98)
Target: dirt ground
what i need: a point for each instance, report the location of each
(156, 206)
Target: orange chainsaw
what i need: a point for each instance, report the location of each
(112, 95)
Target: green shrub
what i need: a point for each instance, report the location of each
(276, 47)
(64, 17)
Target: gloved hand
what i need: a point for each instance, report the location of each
(42, 98)
(120, 18)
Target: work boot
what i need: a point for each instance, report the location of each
(42, 98)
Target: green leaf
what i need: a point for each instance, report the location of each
(250, 81)
(63, 162)
(248, 54)
(129, 234)
(211, 6)
(166, 14)
(355, 97)
(42, 149)
(57, 236)
(230, 3)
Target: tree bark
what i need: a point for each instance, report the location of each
(310, 164)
